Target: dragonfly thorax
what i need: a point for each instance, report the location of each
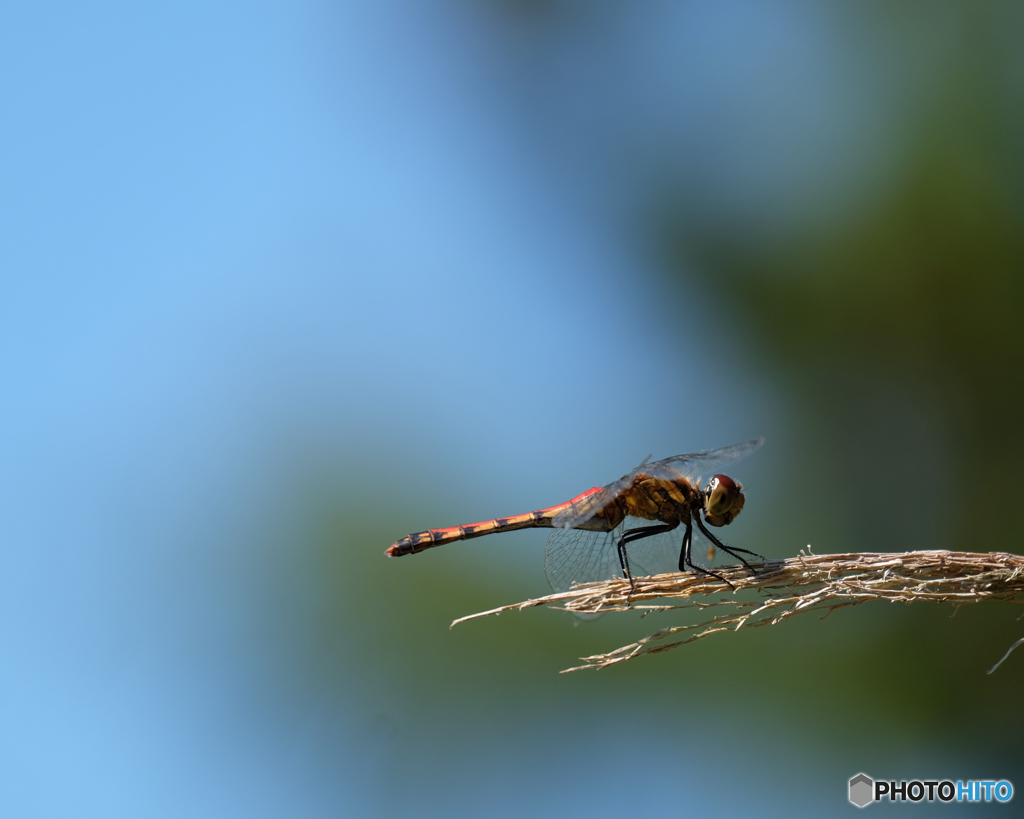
(668, 501)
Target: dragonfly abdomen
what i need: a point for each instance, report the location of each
(418, 541)
(428, 539)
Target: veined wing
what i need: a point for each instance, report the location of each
(579, 556)
(578, 512)
(583, 556)
(699, 465)
(693, 466)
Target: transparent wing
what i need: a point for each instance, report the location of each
(580, 512)
(701, 464)
(693, 466)
(581, 556)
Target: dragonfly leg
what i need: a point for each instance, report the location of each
(686, 559)
(728, 549)
(684, 553)
(624, 563)
(637, 534)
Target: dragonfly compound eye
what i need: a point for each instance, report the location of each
(723, 500)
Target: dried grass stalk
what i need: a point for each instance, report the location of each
(806, 583)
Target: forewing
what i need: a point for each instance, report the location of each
(692, 467)
(698, 465)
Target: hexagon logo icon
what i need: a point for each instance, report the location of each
(862, 790)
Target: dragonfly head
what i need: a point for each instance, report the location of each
(723, 500)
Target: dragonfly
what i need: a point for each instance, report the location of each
(631, 525)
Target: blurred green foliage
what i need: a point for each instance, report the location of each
(913, 297)
(921, 286)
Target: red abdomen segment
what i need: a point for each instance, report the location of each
(419, 541)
